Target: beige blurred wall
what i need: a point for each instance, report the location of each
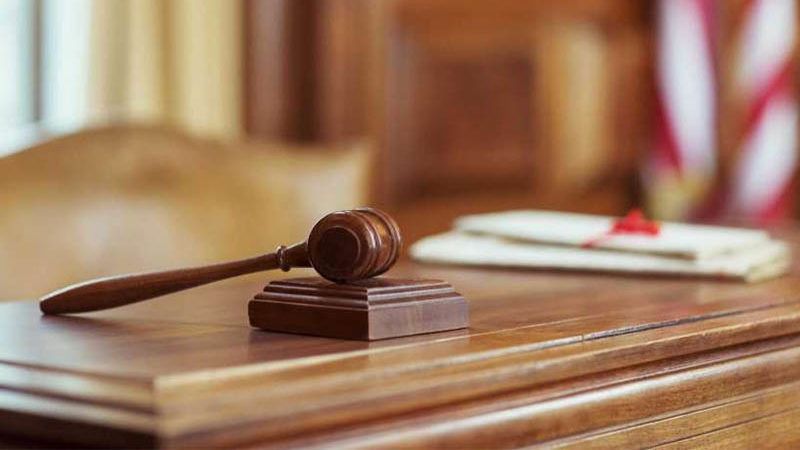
(177, 63)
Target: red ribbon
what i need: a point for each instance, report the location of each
(633, 223)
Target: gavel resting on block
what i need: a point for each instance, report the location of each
(347, 248)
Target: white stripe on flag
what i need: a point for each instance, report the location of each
(767, 40)
(686, 78)
(768, 158)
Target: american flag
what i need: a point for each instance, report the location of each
(684, 161)
(762, 186)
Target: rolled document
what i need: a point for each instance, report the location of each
(673, 239)
(549, 240)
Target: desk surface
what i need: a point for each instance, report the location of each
(557, 358)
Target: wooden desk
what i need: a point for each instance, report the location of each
(555, 358)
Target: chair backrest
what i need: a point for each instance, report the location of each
(122, 199)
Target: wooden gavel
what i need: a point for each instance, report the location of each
(343, 246)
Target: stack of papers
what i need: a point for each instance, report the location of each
(555, 240)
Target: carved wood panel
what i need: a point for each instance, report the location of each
(463, 124)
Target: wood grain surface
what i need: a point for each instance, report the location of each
(579, 361)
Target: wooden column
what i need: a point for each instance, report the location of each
(304, 69)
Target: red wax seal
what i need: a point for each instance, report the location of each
(633, 223)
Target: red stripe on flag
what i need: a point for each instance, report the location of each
(708, 19)
(666, 151)
(780, 205)
(780, 80)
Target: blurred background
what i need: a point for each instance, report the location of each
(144, 134)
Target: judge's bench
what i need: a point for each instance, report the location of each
(552, 359)
(555, 359)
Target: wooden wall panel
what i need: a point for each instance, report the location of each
(509, 104)
(265, 71)
(340, 70)
(444, 141)
(523, 104)
(305, 69)
(280, 90)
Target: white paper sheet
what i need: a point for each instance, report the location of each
(556, 228)
(768, 259)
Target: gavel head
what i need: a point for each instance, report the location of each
(354, 244)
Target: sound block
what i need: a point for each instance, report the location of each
(371, 309)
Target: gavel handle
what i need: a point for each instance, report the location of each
(111, 292)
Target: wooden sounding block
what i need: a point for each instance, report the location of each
(371, 309)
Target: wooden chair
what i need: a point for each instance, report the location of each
(122, 199)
